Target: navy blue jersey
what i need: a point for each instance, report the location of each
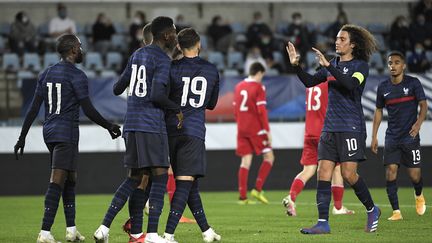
(401, 101)
(146, 65)
(345, 111)
(194, 84)
(62, 86)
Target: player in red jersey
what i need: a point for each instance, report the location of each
(253, 131)
(316, 107)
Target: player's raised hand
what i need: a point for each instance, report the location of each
(114, 131)
(292, 53)
(374, 145)
(180, 119)
(19, 146)
(321, 58)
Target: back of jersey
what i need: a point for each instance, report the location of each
(316, 107)
(194, 84)
(62, 86)
(146, 65)
(248, 95)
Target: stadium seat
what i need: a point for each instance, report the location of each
(278, 57)
(79, 29)
(11, 62)
(217, 59)
(5, 29)
(231, 73)
(120, 28)
(282, 27)
(380, 41)
(114, 60)
(43, 29)
(235, 60)
(204, 42)
(108, 74)
(238, 28)
(119, 42)
(2, 43)
(311, 60)
(93, 61)
(429, 56)
(22, 75)
(377, 28)
(50, 58)
(90, 73)
(322, 27)
(376, 61)
(31, 62)
(88, 29)
(84, 43)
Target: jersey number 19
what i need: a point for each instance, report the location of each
(195, 90)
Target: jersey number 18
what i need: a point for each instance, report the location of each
(138, 76)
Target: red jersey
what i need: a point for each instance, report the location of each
(250, 108)
(316, 107)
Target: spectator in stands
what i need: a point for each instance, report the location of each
(253, 56)
(103, 29)
(298, 34)
(421, 32)
(22, 36)
(220, 33)
(180, 23)
(61, 24)
(417, 61)
(333, 28)
(400, 35)
(424, 7)
(135, 31)
(259, 34)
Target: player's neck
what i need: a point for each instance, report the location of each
(162, 46)
(68, 59)
(397, 79)
(346, 57)
(190, 54)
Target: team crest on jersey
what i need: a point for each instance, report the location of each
(345, 70)
(405, 90)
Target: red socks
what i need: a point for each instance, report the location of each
(337, 192)
(171, 186)
(262, 175)
(296, 187)
(242, 182)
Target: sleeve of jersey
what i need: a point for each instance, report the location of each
(419, 91)
(124, 79)
(353, 81)
(262, 110)
(80, 85)
(380, 102)
(214, 96)
(39, 88)
(31, 114)
(310, 80)
(159, 89)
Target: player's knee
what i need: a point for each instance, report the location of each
(349, 176)
(391, 173)
(269, 157)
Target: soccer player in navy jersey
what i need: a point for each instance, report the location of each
(147, 78)
(401, 95)
(343, 136)
(194, 85)
(63, 89)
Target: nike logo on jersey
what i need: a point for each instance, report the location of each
(386, 94)
(416, 162)
(350, 155)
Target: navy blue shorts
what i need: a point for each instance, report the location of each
(63, 156)
(342, 146)
(145, 150)
(187, 156)
(407, 154)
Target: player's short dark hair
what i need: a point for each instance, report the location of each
(255, 68)
(160, 25)
(397, 53)
(65, 43)
(147, 34)
(188, 38)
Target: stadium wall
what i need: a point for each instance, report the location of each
(101, 170)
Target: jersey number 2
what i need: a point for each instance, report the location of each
(138, 74)
(195, 90)
(243, 106)
(50, 98)
(316, 93)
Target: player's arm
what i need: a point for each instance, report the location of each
(214, 96)
(28, 121)
(262, 112)
(349, 82)
(91, 112)
(415, 129)
(124, 80)
(375, 126)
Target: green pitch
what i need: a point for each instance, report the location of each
(20, 219)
